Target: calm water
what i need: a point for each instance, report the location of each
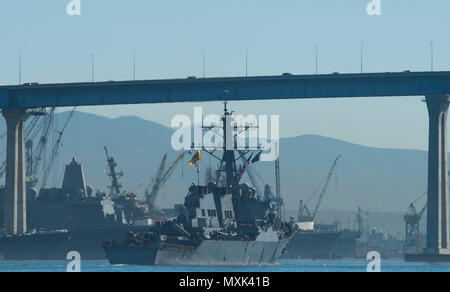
(282, 266)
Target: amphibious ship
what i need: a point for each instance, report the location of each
(70, 218)
(221, 223)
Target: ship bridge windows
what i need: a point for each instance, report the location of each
(212, 213)
(203, 213)
(228, 214)
(201, 222)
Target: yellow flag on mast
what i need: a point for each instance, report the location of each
(197, 156)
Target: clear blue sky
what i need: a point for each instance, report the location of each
(168, 36)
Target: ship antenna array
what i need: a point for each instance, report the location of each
(228, 160)
(278, 184)
(115, 186)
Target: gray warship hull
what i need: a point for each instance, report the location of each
(222, 223)
(88, 220)
(208, 253)
(56, 245)
(321, 245)
(39, 246)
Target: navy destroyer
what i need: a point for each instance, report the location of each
(221, 223)
(73, 217)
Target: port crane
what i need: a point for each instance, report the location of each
(38, 130)
(250, 173)
(35, 156)
(160, 180)
(55, 149)
(267, 193)
(412, 225)
(303, 213)
(150, 196)
(35, 127)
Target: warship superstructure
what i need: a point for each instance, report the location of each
(223, 222)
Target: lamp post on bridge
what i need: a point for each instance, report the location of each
(203, 62)
(92, 67)
(317, 59)
(246, 61)
(134, 65)
(432, 55)
(362, 52)
(20, 68)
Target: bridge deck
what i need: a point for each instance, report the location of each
(232, 88)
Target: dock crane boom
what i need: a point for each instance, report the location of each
(171, 168)
(56, 149)
(150, 197)
(251, 174)
(161, 179)
(423, 210)
(412, 220)
(41, 147)
(36, 126)
(325, 186)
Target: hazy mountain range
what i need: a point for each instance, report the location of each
(375, 179)
(382, 180)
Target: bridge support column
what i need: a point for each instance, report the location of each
(15, 203)
(437, 215)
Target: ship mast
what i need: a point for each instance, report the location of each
(113, 175)
(228, 160)
(228, 155)
(278, 184)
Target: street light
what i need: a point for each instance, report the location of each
(246, 61)
(92, 67)
(20, 68)
(362, 51)
(203, 59)
(134, 65)
(317, 60)
(432, 55)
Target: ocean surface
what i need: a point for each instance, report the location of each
(281, 266)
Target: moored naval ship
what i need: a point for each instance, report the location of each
(221, 223)
(314, 241)
(311, 241)
(70, 218)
